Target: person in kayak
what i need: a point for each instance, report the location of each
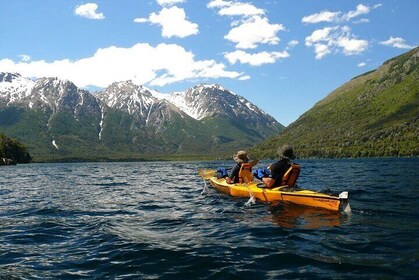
(278, 169)
(240, 158)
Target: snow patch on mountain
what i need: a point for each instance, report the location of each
(55, 144)
(101, 122)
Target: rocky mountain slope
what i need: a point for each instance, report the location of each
(59, 121)
(375, 114)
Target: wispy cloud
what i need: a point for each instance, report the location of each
(160, 65)
(292, 43)
(255, 59)
(89, 11)
(24, 57)
(236, 9)
(335, 39)
(361, 20)
(360, 10)
(169, 2)
(361, 64)
(396, 42)
(339, 16)
(324, 16)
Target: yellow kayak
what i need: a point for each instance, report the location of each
(283, 193)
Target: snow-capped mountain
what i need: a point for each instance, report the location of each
(14, 87)
(199, 102)
(139, 102)
(43, 93)
(208, 100)
(128, 118)
(57, 94)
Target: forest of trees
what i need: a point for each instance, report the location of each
(12, 151)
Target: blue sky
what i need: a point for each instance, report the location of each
(282, 55)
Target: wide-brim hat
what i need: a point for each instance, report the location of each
(240, 157)
(286, 151)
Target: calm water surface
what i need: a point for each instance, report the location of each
(149, 221)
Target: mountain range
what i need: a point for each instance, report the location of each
(373, 115)
(59, 121)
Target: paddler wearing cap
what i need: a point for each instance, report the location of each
(278, 169)
(239, 158)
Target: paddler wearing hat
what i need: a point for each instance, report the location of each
(239, 158)
(278, 169)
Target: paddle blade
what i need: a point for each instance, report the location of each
(254, 162)
(207, 173)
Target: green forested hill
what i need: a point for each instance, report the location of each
(373, 115)
(12, 149)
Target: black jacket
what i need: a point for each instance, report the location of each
(278, 170)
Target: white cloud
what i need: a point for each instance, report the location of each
(173, 22)
(293, 43)
(254, 31)
(360, 10)
(361, 64)
(244, 78)
(351, 46)
(321, 50)
(362, 20)
(169, 2)
(141, 20)
(230, 8)
(142, 63)
(335, 39)
(319, 35)
(256, 59)
(240, 9)
(252, 28)
(218, 4)
(88, 11)
(324, 16)
(327, 16)
(396, 42)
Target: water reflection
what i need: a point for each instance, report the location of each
(289, 215)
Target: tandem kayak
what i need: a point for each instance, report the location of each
(284, 193)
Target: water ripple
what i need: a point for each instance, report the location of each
(131, 221)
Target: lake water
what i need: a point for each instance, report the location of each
(147, 220)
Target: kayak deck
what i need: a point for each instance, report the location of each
(285, 193)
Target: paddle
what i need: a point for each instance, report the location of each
(252, 199)
(207, 173)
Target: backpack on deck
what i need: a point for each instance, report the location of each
(245, 173)
(261, 173)
(290, 177)
(221, 172)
